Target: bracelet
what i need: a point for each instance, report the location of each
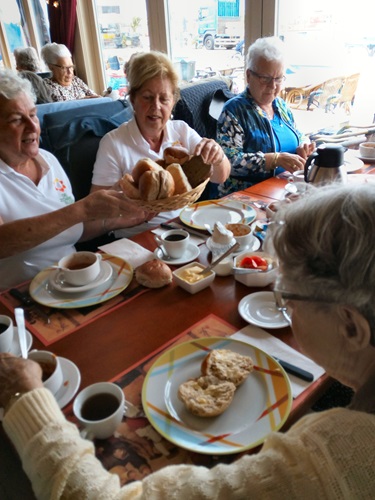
(274, 162)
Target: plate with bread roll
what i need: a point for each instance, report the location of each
(173, 182)
(216, 395)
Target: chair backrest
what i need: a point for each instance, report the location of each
(330, 92)
(349, 88)
(73, 136)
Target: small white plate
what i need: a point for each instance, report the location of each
(15, 347)
(103, 276)
(72, 380)
(365, 158)
(191, 253)
(351, 161)
(259, 309)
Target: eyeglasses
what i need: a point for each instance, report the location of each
(66, 69)
(266, 80)
(283, 299)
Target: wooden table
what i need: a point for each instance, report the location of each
(114, 342)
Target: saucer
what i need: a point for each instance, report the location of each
(72, 380)
(253, 247)
(15, 347)
(103, 276)
(191, 253)
(259, 309)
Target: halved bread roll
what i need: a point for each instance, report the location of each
(129, 188)
(181, 182)
(227, 365)
(206, 396)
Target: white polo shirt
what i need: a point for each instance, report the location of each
(21, 198)
(120, 149)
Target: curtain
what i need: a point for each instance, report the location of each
(63, 22)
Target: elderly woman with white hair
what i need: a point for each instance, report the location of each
(64, 85)
(256, 129)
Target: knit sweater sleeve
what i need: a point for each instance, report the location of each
(327, 455)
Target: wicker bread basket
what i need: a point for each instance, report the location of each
(198, 174)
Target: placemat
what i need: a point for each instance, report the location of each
(63, 322)
(137, 449)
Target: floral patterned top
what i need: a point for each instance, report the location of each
(245, 134)
(77, 90)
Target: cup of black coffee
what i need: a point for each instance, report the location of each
(6, 333)
(174, 242)
(99, 408)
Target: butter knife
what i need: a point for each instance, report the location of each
(295, 370)
(29, 303)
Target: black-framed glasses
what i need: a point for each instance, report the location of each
(283, 298)
(266, 80)
(66, 69)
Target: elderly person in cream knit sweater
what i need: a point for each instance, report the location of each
(327, 287)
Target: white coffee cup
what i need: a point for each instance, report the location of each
(99, 408)
(175, 242)
(53, 378)
(241, 233)
(298, 176)
(367, 150)
(79, 268)
(6, 333)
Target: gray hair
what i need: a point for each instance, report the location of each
(51, 52)
(27, 59)
(11, 85)
(326, 243)
(270, 48)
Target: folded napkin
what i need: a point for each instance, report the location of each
(128, 250)
(275, 347)
(193, 239)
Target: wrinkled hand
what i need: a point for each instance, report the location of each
(210, 150)
(291, 162)
(111, 204)
(305, 150)
(17, 375)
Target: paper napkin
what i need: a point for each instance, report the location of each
(275, 347)
(128, 250)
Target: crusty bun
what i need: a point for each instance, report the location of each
(153, 274)
(206, 396)
(129, 188)
(181, 182)
(156, 185)
(176, 154)
(227, 365)
(144, 165)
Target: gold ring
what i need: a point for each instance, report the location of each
(120, 215)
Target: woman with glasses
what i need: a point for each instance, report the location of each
(64, 85)
(256, 129)
(325, 244)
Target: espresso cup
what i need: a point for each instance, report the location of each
(174, 242)
(298, 176)
(6, 333)
(367, 150)
(52, 375)
(99, 408)
(79, 268)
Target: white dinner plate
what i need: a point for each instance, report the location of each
(72, 380)
(15, 347)
(208, 212)
(56, 280)
(42, 292)
(260, 309)
(260, 405)
(191, 253)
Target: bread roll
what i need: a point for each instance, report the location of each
(206, 396)
(144, 165)
(181, 182)
(176, 154)
(227, 365)
(153, 274)
(167, 185)
(129, 188)
(149, 185)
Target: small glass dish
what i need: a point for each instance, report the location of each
(179, 276)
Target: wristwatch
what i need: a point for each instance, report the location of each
(15, 397)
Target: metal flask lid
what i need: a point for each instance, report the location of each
(330, 155)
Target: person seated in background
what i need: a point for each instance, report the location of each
(327, 287)
(28, 65)
(39, 220)
(64, 85)
(153, 92)
(256, 128)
